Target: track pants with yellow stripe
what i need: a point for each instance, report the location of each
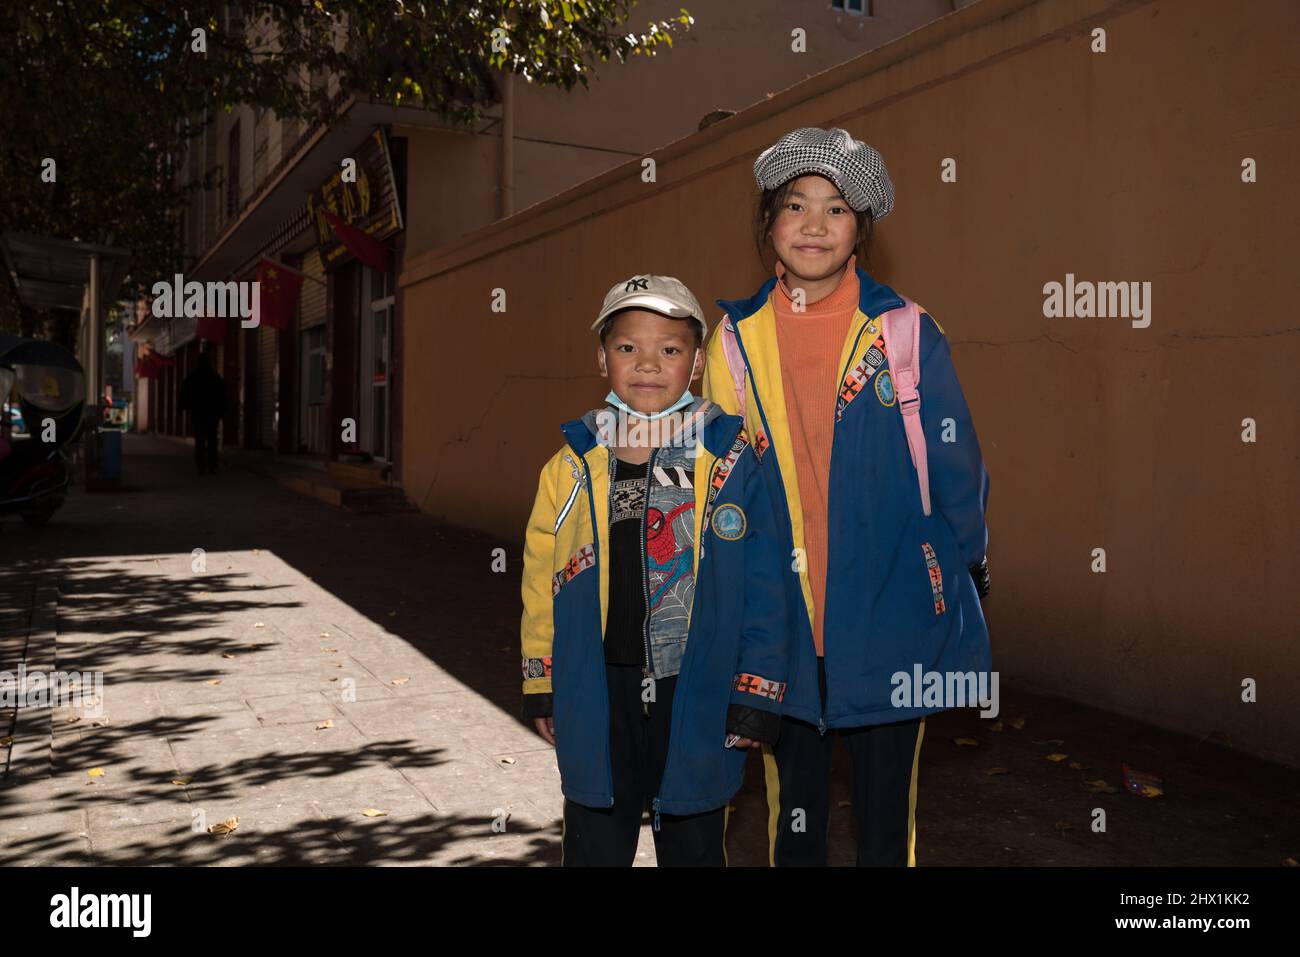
(885, 760)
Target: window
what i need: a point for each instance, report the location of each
(858, 7)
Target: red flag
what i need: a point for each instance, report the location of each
(149, 364)
(212, 328)
(278, 294)
(360, 243)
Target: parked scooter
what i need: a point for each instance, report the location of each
(48, 386)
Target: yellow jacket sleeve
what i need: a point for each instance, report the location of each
(537, 631)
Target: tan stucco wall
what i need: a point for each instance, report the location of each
(1122, 166)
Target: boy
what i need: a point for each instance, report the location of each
(653, 596)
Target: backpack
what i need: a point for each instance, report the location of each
(901, 329)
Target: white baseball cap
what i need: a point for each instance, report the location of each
(662, 294)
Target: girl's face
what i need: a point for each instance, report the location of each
(649, 359)
(815, 231)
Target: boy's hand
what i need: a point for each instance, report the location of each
(546, 728)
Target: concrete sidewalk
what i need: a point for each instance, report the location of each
(221, 674)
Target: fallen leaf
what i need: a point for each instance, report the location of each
(213, 681)
(1140, 782)
(966, 742)
(6, 741)
(181, 782)
(1064, 826)
(227, 655)
(1290, 862)
(392, 614)
(1077, 766)
(222, 828)
(1017, 723)
(335, 678)
(845, 804)
(993, 771)
(325, 725)
(1057, 757)
(997, 725)
(74, 719)
(374, 812)
(1099, 787)
(329, 650)
(399, 681)
(259, 624)
(96, 772)
(204, 594)
(324, 634)
(506, 760)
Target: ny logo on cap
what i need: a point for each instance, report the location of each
(636, 283)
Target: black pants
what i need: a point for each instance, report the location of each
(205, 446)
(638, 750)
(885, 759)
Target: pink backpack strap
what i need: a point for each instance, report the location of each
(735, 362)
(902, 331)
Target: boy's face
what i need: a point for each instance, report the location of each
(815, 230)
(650, 359)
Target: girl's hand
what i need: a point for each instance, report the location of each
(546, 728)
(733, 742)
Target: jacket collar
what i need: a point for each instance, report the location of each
(873, 298)
(716, 429)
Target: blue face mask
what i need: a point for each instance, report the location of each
(681, 403)
(622, 406)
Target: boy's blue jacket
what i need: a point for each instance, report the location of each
(739, 626)
(899, 588)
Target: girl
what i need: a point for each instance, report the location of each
(891, 555)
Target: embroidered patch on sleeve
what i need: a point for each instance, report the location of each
(869, 364)
(760, 443)
(936, 577)
(536, 668)
(582, 559)
(885, 389)
(757, 684)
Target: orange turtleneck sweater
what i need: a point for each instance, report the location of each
(810, 343)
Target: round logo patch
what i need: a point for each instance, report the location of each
(885, 388)
(729, 522)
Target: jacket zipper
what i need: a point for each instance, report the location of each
(821, 718)
(595, 547)
(681, 685)
(646, 672)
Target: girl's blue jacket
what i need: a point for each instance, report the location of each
(900, 597)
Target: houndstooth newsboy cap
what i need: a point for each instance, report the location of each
(857, 169)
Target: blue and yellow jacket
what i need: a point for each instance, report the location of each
(736, 651)
(899, 589)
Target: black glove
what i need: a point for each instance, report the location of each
(538, 705)
(753, 723)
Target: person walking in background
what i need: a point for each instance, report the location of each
(203, 395)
